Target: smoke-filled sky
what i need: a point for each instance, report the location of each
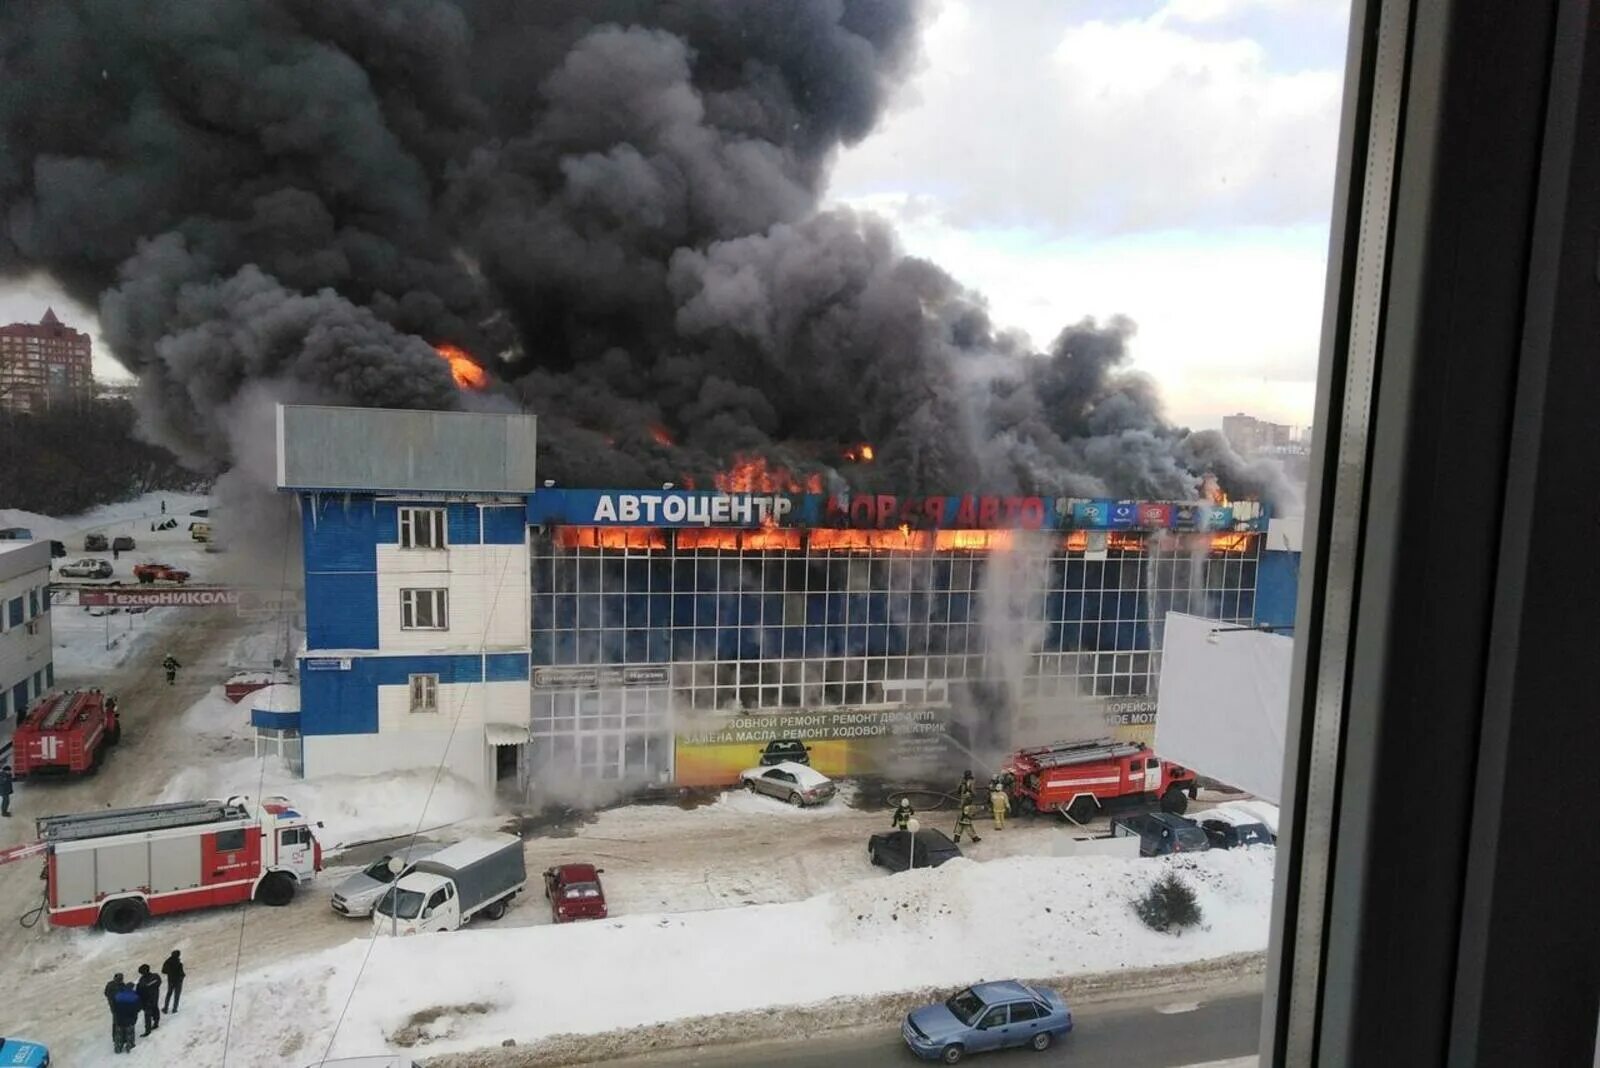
(624, 209)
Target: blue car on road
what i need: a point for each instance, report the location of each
(15, 1053)
(987, 1016)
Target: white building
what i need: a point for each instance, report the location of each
(417, 600)
(26, 670)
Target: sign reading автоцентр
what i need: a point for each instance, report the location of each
(873, 511)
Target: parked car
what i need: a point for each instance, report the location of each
(797, 784)
(201, 512)
(1228, 827)
(897, 851)
(575, 892)
(987, 1016)
(87, 567)
(147, 573)
(357, 894)
(785, 751)
(20, 1053)
(1160, 833)
(15, 534)
(122, 543)
(96, 543)
(57, 549)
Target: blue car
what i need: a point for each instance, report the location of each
(984, 1017)
(15, 1053)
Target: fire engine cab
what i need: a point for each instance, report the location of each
(1079, 779)
(117, 867)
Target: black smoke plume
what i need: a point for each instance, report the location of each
(612, 203)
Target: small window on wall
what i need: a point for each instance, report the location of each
(424, 693)
(423, 610)
(422, 528)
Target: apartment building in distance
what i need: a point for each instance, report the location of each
(44, 365)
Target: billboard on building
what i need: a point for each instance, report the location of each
(865, 511)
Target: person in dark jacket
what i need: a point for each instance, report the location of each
(149, 990)
(903, 814)
(5, 790)
(170, 665)
(124, 1016)
(172, 968)
(112, 988)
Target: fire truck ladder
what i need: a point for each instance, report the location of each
(135, 820)
(1062, 754)
(60, 712)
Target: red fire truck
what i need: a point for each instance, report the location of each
(1078, 779)
(65, 734)
(118, 867)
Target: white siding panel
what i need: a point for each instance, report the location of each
(488, 593)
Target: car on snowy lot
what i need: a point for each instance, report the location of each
(153, 572)
(122, 543)
(1161, 833)
(1230, 827)
(797, 784)
(360, 892)
(88, 567)
(901, 851)
(785, 751)
(20, 1053)
(96, 543)
(575, 892)
(987, 1016)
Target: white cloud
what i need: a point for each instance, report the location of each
(1226, 323)
(1104, 126)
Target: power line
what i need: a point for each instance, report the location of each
(438, 773)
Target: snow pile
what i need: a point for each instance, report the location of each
(740, 804)
(352, 808)
(939, 928)
(215, 715)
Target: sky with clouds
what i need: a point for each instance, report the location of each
(1170, 160)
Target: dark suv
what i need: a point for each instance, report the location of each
(1160, 833)
(792, 750)
(95, 543)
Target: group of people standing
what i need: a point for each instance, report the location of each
(966, 806)
(128, 1000)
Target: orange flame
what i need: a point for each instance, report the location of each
(1232, 543)
(661, 435)
(463, 369)
(752, 474)
(860, 454)
(1211, 490)
(610, 538)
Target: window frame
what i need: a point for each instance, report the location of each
(412, 596)
(435, 519)
(430, 686)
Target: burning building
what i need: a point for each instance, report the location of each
(465, 614)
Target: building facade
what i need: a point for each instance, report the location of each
(44, 365)
(26, 669)
(416, 594)
(552, 634)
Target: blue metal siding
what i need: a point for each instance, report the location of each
(1277, 588)
(340, 534)
(507, 667)
(461, 520)
(505, 526)
(346, 702)
(281, 721)
(342, 610)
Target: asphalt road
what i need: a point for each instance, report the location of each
(1165, 1031)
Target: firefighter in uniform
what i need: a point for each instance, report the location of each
(170, 665)
(964, 791)
(999, 803)
(964, 822)
(903, 814)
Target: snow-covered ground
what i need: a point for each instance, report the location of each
(932, 928)
(352, 808)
